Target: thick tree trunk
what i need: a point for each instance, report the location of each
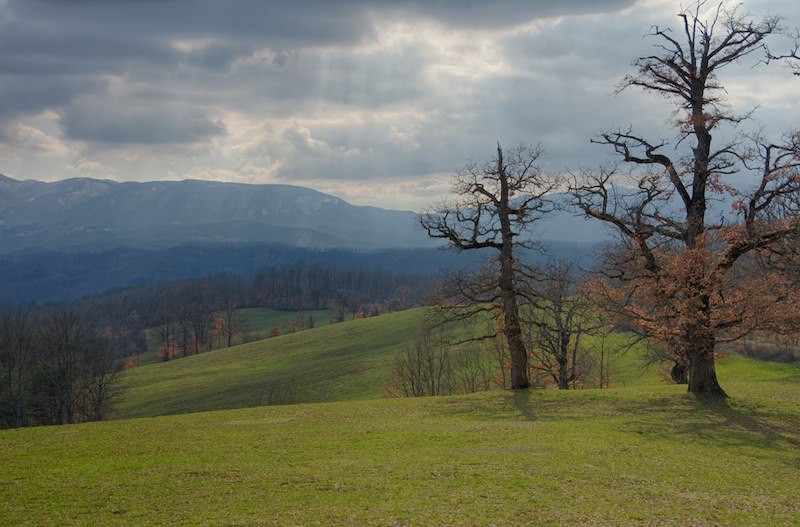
(516, 347)
(679, 373)
(702, 374)
(563, 374)
(563, 384)
(512, 330)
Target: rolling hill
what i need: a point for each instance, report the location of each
(339, 362)
(638, 455)
(346, 361)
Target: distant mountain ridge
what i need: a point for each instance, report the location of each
(86, 214)
(62, 240)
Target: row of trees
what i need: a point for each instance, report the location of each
(196, 315)
(678, 275)
(54, 369)
(567, 342)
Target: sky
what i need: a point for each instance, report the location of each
(378, 103)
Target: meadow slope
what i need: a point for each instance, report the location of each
(639, 455)
(346, 361)
(339, 362)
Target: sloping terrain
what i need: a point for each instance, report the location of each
(339, 362)
(350, 360)
(646, 455)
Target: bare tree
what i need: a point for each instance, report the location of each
(677, 275)
(100, 375)
(17, 335)
(473, 369)
(62, 336)
(496, 202)
(791, 58)
(232, 321)
(425, 367)
(601, 349)
(560, 317)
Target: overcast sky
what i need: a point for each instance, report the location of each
(376, 102)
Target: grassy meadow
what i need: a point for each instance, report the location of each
(255, 323)
(641, 453)
(346, 361)
(339, 362)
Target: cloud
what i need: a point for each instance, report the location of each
(84, 166)
(493, 15)
(156, 124)
(352, 95)
(21, 139)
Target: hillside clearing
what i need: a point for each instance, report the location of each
(346, 361)
(339, 362)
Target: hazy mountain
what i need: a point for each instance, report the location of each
(62, 240)
(87, 213)
(91, 214)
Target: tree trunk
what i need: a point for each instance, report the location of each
(512, 330)
(563, 375)
(516, 347)
(702, 374)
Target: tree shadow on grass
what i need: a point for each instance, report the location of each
(507, 405)
(521, 400)
(525, 405)
(722, 421)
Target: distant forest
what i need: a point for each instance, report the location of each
(59, 362)
(43, 277)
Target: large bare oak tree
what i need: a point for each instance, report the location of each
(683, 274)
(495, 204)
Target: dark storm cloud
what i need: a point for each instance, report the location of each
(151, 125)
(218, 57)
(20, 95)
(61, 36)
(482, 14)
(279, 24)
(53, 51)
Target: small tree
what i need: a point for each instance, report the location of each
(100, 375)
(496, 202)
(425, 367)
(679, 276)
(473, 369)
(560, 317)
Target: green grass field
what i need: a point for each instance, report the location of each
(340, 362)
(255, 324)
(641, 455)
(346, 361)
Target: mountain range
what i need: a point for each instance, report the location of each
(69, 238)
(85, 214)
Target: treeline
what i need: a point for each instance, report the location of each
(59, 364)
(196, 315)
(55, 368)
